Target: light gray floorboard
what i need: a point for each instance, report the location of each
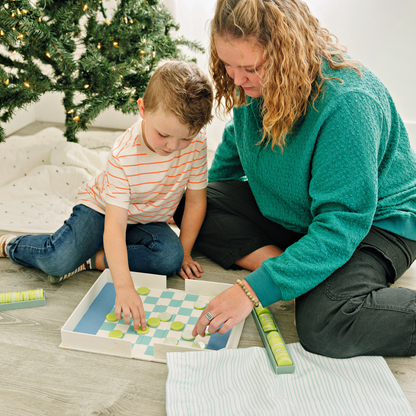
(39, 378)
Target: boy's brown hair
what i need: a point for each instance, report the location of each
(183, 89)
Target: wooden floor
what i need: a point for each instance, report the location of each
(39, 378)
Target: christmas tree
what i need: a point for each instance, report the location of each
(71, 47)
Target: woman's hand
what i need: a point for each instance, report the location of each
(190, 268)
(229, 308)
(129, 302)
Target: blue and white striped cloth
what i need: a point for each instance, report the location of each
(241, 382)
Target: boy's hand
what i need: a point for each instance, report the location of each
(190, 268)
(129, 302)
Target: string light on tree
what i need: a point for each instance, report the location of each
(71, 47)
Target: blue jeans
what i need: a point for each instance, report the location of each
(151, 248)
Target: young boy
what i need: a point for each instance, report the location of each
(125, 209)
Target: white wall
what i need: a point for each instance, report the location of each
(380, 33)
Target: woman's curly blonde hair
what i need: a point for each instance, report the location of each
(294, 46)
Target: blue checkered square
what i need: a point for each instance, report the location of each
(143, 340)
(151, 299)
(168, 295)
(175, 303)
(160, 308)
(108, 326)
(192, 320)
(184, 311)
(192, 298)
(149, 351)
(131, 331)
(160, 333)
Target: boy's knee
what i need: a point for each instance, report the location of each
(58, 265)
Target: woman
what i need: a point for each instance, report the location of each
(313, 187)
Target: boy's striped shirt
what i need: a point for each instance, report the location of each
(150, 186)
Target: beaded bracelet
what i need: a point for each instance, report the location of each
(256, 304)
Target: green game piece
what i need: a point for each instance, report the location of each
(259, 309)
(141, 331)
(267, 322)
(165, 316)
(170, 341)
(111, 317)
(199, 344)
(143, 290)
(187, 336)
(200, 304)
(153, 322)
(284, 361)
(116, 334)
(176, 326)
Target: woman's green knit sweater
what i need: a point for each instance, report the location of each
(347, 165)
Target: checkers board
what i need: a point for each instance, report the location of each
(88, 329)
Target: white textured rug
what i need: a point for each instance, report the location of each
(40, 176)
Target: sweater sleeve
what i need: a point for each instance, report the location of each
(226, 165)
(343, 190)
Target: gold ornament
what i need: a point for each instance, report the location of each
(1, 33)
(107, 21)
(86, 86)
(99, 45)
(142, 52)
(76, 118)
(24, 11)
(20, 36)
(26, 84)
(71, 111)
(115, 44)
(7, 81)
(144, 41)
(13, 53)
(85, 7)
(48, 54)
(131, 21)
(125, 20)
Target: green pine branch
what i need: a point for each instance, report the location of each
(70, 47)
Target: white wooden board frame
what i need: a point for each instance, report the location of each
(122, 348)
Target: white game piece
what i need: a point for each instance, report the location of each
(199, 344)
(165, 316)
(200, 304)
(187, 336)
(170, 341)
